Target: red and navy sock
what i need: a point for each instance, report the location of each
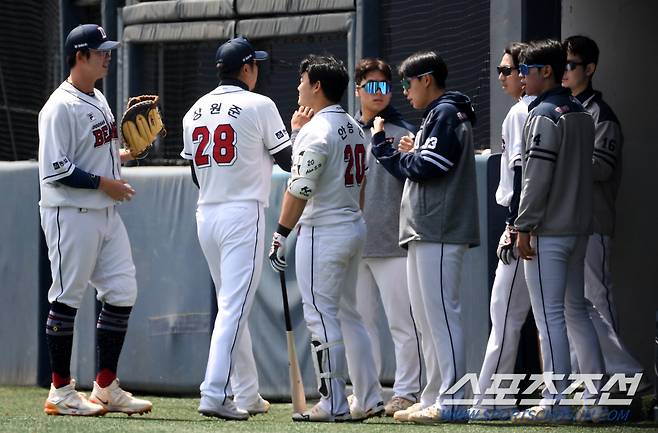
(59, 338)
(110, 333)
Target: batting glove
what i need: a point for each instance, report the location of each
(277, 252)
(505, 250)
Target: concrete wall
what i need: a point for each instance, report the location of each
(505, 27)
(626, 35)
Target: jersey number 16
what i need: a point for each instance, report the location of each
(223, 145)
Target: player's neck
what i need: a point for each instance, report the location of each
(367, 115)
(321, 105)
(577, 90)
(80, 82)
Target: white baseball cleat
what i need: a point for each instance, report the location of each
(260, 406)
(359, 414)
(228, 411)
(115, 399)
(67, 401)
(403, 415)
(317, 414)
(490, 414)
(430, 415)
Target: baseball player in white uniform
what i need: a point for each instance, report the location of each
(510, 302)
(323, 196)
(438, 221)
(80, 180)
(554, 222)
(382, 271)
(582, 60)
(230, 136)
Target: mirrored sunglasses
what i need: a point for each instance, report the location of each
(372, 87)
(505, 70)
(406, 81)
(524, 69)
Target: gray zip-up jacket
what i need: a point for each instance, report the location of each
(383, 191)
(556, 193)
(606, 160)
(439, 200)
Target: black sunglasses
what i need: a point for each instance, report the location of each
(570, 66)
(505, 70)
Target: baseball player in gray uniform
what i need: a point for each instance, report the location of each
(510, 302)
(382, 271)
(80, 173)
(438, 218)
(324, 196)
(554, 222)
(232, 136)
(582, 60)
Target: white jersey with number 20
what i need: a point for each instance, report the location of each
(230, 134)
(334, 133)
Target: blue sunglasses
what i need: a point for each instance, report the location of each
(372, 87)
(525, 69)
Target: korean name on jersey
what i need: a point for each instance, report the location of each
(230, 134)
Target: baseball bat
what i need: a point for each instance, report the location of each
(296, 385)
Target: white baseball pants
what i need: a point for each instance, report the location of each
(386, 277)
(88, 246)
(327, 259)
(556, 285)
(433, 271)
(231, 237)
(510, 304)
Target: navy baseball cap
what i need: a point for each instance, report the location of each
(88, 36)
(237, 52)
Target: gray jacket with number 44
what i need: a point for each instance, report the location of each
(556, 192)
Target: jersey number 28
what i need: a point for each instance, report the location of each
(223, 145)
(356, 164)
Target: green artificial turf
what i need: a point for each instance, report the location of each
(21, 410)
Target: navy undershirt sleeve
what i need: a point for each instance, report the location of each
(81, 179)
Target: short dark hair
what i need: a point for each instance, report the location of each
(514, 49)
(230, 74)
(329, 71)
(71, 59)
(546, 52)
(367, 65)
(422, 62)
(583, 47)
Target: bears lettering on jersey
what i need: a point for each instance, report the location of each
(104, 133)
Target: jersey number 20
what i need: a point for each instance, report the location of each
(223, 145)
(356, 164)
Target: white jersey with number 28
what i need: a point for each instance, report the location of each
(334, 133)
(230, 134)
